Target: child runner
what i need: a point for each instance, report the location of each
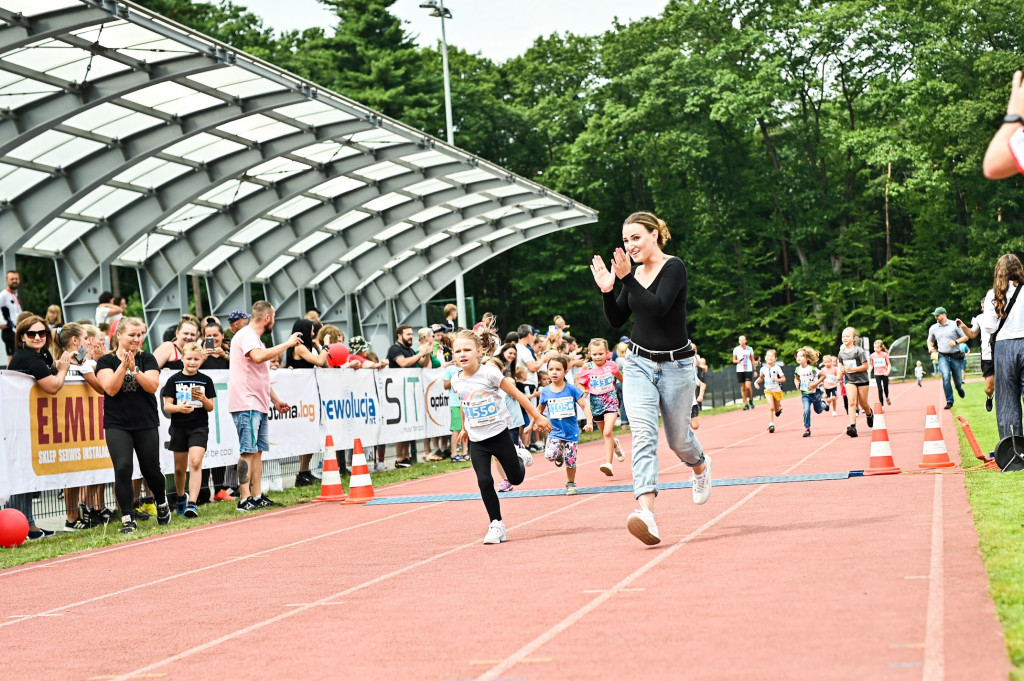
(855, 366)
(831, 384)
(598, 379)
(919, 373)
(456, 413)
(881, 368)
(809, 377)
(485, 422)
(558, 402)
(773, 378)
(188, 398)
(506, 364)
(700, 367)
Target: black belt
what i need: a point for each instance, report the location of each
(663, 355)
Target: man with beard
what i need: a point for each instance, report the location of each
(10, 308)
(249, 399)
(402, 356)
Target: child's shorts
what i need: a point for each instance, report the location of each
(568, 449)
(831, 392)
(456, 419)
(600, 405)
(184, 439)
(777, 396)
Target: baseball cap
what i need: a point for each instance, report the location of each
(358, 344)
(236, 315)
(938, 311)
(624, 339)
(438, 328)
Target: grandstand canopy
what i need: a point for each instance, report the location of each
(128, 140)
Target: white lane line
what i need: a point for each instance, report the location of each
(162, 580)
(531, 647)
(934, 640)
(326, 599)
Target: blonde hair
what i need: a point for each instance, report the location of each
(521, 371)
(55, 308)
(810, 353)
(424, 333)
(336, 334)
(884, 349)
(191, 347)
(598, 342)
(123, 324)
(449, 308)
(852, 330)
(495, 362)
(62, 340)
(652, 223)
(484, 342)
(622, 349)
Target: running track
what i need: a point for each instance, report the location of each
(864, 578)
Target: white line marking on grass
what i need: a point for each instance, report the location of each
(179, 575)
(531, 647)
(934, 652)
(373, 582)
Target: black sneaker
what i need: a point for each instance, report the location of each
(180, 503)
(191, 511)
(779, 412)
(245, 505)
(97, 518)
(128, 525)
(871, 419)
(949, 405)
(265, 502)
(403, 464)
(960, 392)
(163, 514)
(78, 524)
(695, 412)
(988, 403)
(851, 430)
(139, 515)
(304, 479)
(40, 533)
(85, 515)
(807, 433)
(826, 407)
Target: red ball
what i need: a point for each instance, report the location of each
(337, 355)
(13, 528)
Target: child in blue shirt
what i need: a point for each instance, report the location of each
(558, 402)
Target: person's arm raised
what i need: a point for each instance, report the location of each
(260, 355)
(1000, 161)
(616, 310)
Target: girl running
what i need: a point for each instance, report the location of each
(855, 364)
(598, 380)
(558, 401)
(881, 368)
(485, 422)
(831, 384)
(809, 377)
(773, 378)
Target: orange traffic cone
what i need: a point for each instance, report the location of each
(881, 451)
(360, 487)
(989, 462)
(934, 453)
(330, 486)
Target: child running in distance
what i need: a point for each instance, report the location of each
(809, 377)
(598, 380)
(773, 378)
(831, 384)
(881, 368)
(855, 364)
(558, 402)
(919, 373)
(188, 398)
(700, 366)
(485, 422)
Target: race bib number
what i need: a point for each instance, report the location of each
(561, 408)
(602, 385)
(771, 386)
(830, 381)
(880, 362)
(481, 412)
(805, 385)
(851, 363)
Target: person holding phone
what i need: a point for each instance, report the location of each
(215, 355)
(188, 397)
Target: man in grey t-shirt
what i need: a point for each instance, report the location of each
(943, 336)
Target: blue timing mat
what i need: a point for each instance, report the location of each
(560, 491)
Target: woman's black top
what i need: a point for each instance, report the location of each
(132, 408)
(659, 311)
(28, 361)
(216, 362)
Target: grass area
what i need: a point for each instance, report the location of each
(64, 543)
(996, 501)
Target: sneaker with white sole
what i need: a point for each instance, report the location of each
(702, 483)
(607, 469)
(619, 454)
(495, 533)
(525, 456)
(505, 486)
(570, 489)
(642, 526)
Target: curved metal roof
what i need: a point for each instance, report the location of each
(126, 139)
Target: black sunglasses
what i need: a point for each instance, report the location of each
(36, 334)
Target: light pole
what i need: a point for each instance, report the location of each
(438, 10)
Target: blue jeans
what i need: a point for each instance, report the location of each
(948, 366)
(811, 399)
(647, 389)
(1009, 366)
(23, 502)
(253, 429)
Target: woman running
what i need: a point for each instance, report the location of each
(659, 374)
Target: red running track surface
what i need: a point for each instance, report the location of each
(865, 578)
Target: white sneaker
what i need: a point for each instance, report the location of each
(619, 454)
(525, 456)
(702, 483)
(641, 525)
(495, 533)
(607, 469)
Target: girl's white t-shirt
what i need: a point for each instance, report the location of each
(771, 375)
(483, 403)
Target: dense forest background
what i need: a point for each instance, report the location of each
(819, 163)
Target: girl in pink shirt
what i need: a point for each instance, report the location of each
(598, 380)
(881, 368)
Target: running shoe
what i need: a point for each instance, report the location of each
(559, 458)
(871, 419)
(404, 463)
(960, 392)
(826, 409)
(779, 412)
(702, 483)
(100, 516)
(149, 506)
(641, 525)
(525, 456)
(163, 514)
(570, 489)
(191, 511)
(180, 504)
(140, 514)
(851, 430)
(40, 533)
(694, 411)
(495, 533)
(745, 407)
(771, 427)
(607, 469)
(245, 505)
(128, 525)
(505, 486)
(265, 502)
(85, 515)
(888, 402)
(949, 405)
(751, 402)
(77, 524)
(303, 479)
(807, 433)
(988, 403)
(619, 454)
(223, 495)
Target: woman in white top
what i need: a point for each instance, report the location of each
(1008, 354)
